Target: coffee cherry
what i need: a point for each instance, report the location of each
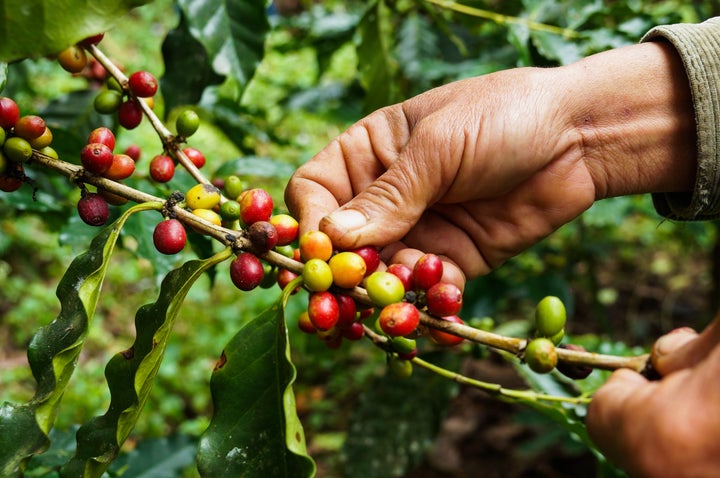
(93, 209)
(162, 168)
(91, 40)
(246, 271)
(122, 167)
(575, 372)
(17, 149)
(233, 187)
(332, 338)
(9, 112)
(42, 141)
(202, 196)
(102, 135)
(129, 114)
(540, 355)
(404, 273)
(209, 215)
(354, 331)
(187, 123)
(371, 256)
(404, 346)
(107, 102)
(169, 236)
(323, 310)
(29, 127)
(348, 269)
(112, 198)
(255, 205)
(427, 272)
(284, 277)
(230, 210)
(134, 152)
(443, 299)
(402, 369)
(348, 310)
(317, 275)
(399, 319)
(305, 324)
(446, 339)
(550, 316)
(262, 235)
(384, 288)
(195, 156)
(12, 177)
(48, 151)
(72, 59)
(143, 84)
(286, 226)
(96, 157)
(315, 244)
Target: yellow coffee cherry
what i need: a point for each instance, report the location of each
(202, 196)
(209, 215)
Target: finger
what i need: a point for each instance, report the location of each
(684, 348)
(608, 412)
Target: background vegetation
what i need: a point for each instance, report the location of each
(626, 275)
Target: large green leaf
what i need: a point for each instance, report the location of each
(255, 430)
(42, 27)
(131, 373)
(233, 33)
(54, 350)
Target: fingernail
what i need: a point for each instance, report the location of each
(673, 340)
(348, 219)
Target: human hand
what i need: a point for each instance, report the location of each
(478, 170)
(666, 428)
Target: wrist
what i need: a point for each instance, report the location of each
(630, 111)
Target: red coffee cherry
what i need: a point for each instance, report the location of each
(130, 114)
(347, 310)
(286, 226)
(446, 339)
(404, 273)
(93, 209)
(255, 205)
(102, 135)
(195, 156)
(323, 310)
(427, 272)
(284, 277)
(29, 127)
(96, 157)
(162, 168)
(9, 112)
(91, 40)
(134, 152)
(443, 299)
(399, 319)
(143, 84)
(169, 236)
(246, 271)
(371, 256)
(12, 177)
(122, 167)
(355, 331)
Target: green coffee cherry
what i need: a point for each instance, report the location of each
(540, 355)
(317, 275)
(230, 210)
(107, 102)
(400, 368)
(187, 123)
(550, 316)
(17, 149)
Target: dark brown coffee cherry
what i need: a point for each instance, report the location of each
(573, 371)
(263, 236)
(93, 209)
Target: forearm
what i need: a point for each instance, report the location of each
(632, 114)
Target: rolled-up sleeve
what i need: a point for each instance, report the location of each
(699, 47)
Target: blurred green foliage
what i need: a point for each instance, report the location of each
(625, 274)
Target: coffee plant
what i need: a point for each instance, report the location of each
(75, 158)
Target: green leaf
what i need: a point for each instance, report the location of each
(255, 430)
(233, 33)
(131, 373)
(164, 457)
(256, 167)
(43, 27)
(395, 421)
(378, 68)
(187, 68)
(54, 350)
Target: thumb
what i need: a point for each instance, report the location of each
(683, 348)
(387, 209)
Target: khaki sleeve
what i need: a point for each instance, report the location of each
(699, 47)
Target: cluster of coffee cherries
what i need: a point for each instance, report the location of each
(19, 137)
(162, 166)
(541, 352)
